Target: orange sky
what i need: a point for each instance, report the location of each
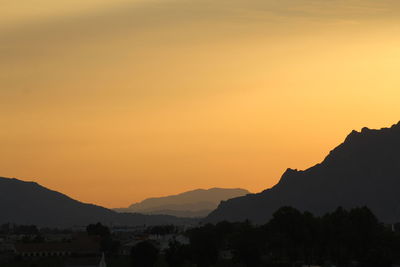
(113, 103)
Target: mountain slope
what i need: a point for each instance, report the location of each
(364, 170)
(29, 203)
(195, 203)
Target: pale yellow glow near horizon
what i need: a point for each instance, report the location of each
(111, 104)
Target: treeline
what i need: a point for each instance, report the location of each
(30, 229)
(291, 238)
(9, 228)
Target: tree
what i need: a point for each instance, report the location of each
(144, 254)
(107, 244)
(176, 254)
(204, 245)
(98, 229)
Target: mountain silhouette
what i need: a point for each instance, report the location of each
(362, 171)
(30, 203)
(195, 203)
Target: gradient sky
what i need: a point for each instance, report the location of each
(111, 102)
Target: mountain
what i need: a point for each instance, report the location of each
(196, 203)
(30, 203)
(362, 171)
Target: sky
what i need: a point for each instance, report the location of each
(111, 102)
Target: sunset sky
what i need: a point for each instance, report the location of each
(111, 102)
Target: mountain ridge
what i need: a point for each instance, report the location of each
(26, 202)
(362, 171)
(193, 203)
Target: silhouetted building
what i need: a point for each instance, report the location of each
(84, 262)
(79, 245)
(43, 249)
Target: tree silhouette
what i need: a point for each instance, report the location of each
(177, 254)
(293, 238)
(144, 254)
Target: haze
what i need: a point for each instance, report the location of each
(112, 103)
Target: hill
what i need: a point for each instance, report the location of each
(195, 203)
(362, 171)
(30, 203)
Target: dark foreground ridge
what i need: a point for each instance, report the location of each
(30, 203)
(362, 171)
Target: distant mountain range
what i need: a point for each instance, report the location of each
(364, 170)
(30, 203)
(196, 203)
